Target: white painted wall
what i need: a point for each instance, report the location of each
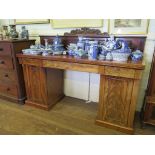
(86, 85)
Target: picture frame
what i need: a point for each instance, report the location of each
(77, 23)
(128, 26)
(31, 21)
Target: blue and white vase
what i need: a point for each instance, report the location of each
(93, 52)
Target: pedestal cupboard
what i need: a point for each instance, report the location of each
(11, 75)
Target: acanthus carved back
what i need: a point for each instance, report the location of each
(87, 31)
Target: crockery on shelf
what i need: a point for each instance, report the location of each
(5, 32)
(24, 33)
(71, 49)
(57, 47)
(120, 56)
(102, 57)
(13, 33)
(26, 51)
(80, 43)
(37, 46)
(137, 55)
(80, 53)
(46, 52)
(93, 52)
(109, 56)
(108, 49)
(32, 51)
(122, 53)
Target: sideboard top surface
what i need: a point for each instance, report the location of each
(62, 58)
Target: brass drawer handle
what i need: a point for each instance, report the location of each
(2, 62)
(1, 49)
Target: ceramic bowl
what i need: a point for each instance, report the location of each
(119, 56)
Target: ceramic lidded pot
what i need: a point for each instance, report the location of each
(5, 31)
(137, 55)
(57, 46)
(13, 33)
(24, 33)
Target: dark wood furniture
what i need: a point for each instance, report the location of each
(11, 74)
(119, 82)
(149, 101)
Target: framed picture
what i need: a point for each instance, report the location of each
(128, 26)
(31, 21)
(76, 23)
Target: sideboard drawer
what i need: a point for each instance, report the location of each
(6, 63)
(121, 72)
(8, 90)
(5, 49)
(71, 66)
(7, 76)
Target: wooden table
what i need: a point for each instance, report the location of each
(119, 84)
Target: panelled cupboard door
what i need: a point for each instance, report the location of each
(115, 99)
(35, 84)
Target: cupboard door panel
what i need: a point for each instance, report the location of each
(35, 84)
(115, 99)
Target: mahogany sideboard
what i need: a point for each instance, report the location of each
(11, 75)
(119, 84)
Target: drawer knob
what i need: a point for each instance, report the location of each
(1, 62)
(1, 49)
(6, 75)
(8, 89)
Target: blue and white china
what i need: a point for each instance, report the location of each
(71, 49)
(120, 56)
(32, 51)
(24, 33)
(122, 52)
(71, 52)
(79, 53)
(109, 56)
(57, 40)
(36, 52)
(46, 52)
(80, 43)
(13, 33)
(26, 51)
(64, 53)
(109, 49)
(102, 57)
(37, 46)
(137, 55)
(5, 32)
(93, 52)
(109, 44)
(87, 46)
(57, 47)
